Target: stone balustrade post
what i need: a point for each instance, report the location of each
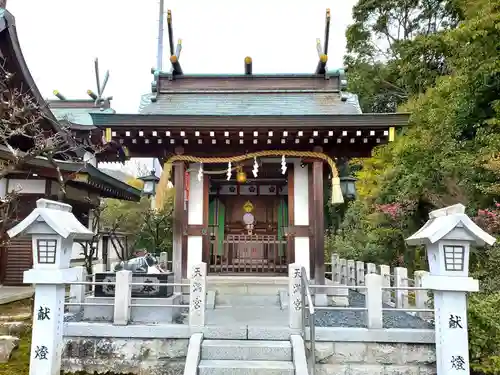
(360, 275)
(385, 272)
(373, 299)
(77, 292)
(343, 271)
(335, 268)
(163, 260)
(401, 281)
(123, 298)
(197, 295)
(99, 268)
(421, 296)
(295, 295)
(371, 268)
(351, 272)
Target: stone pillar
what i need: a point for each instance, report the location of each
(123, 298)
(371, 268)
(385, 272)
(343, 271)
(401, 281)
(448, 235)
(351, 272)
(301, 214)
(164, 260)
(374, 300)
(53, 228)
(197, 295)
(360, 275)
(295, 303)
(335, 268)
(195, 217)
(77, 291)
(421, 296)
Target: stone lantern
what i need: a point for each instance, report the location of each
(448, 235)
(53, 228)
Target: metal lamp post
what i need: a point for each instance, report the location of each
(149, 189)
(348, 187)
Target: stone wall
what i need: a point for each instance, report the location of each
(124, 356)
(355, 358)
(167, 357)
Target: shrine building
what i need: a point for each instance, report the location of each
(251, 155)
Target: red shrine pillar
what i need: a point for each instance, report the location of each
(178, 256)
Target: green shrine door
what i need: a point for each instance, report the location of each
(247, 234)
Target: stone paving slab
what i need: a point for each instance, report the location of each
(10, 294)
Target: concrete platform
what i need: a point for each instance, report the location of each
(10, 294)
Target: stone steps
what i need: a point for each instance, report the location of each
(224, 367)
(246, 357)
(246, 350)
(246, 300)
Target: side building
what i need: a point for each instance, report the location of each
(37, 177)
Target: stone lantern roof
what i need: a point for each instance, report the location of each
(441, 224)
(58, 217)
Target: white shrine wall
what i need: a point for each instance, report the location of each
(23, 185)
(195, 217)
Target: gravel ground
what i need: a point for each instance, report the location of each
(391, 319)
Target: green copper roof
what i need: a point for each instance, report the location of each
(79, 116)
(251, 104)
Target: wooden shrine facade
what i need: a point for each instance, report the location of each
(210, 130)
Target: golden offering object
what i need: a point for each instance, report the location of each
(248, 207)
(241, 176)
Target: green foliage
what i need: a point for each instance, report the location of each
(126, 216)
(146, 229)
(155, 234)
(448, 77)
(484, 332)
(395, 50)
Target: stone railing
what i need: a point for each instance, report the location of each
(124, 297)
(352, 273)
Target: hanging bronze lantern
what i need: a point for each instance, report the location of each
(241, 176)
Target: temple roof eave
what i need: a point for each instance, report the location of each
(365, 120)
(95, 178)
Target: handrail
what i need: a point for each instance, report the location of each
(306, 293)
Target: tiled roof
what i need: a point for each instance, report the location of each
(251, 104)
(79, 116)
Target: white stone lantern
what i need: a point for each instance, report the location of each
(53, 229)
(448, 235)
